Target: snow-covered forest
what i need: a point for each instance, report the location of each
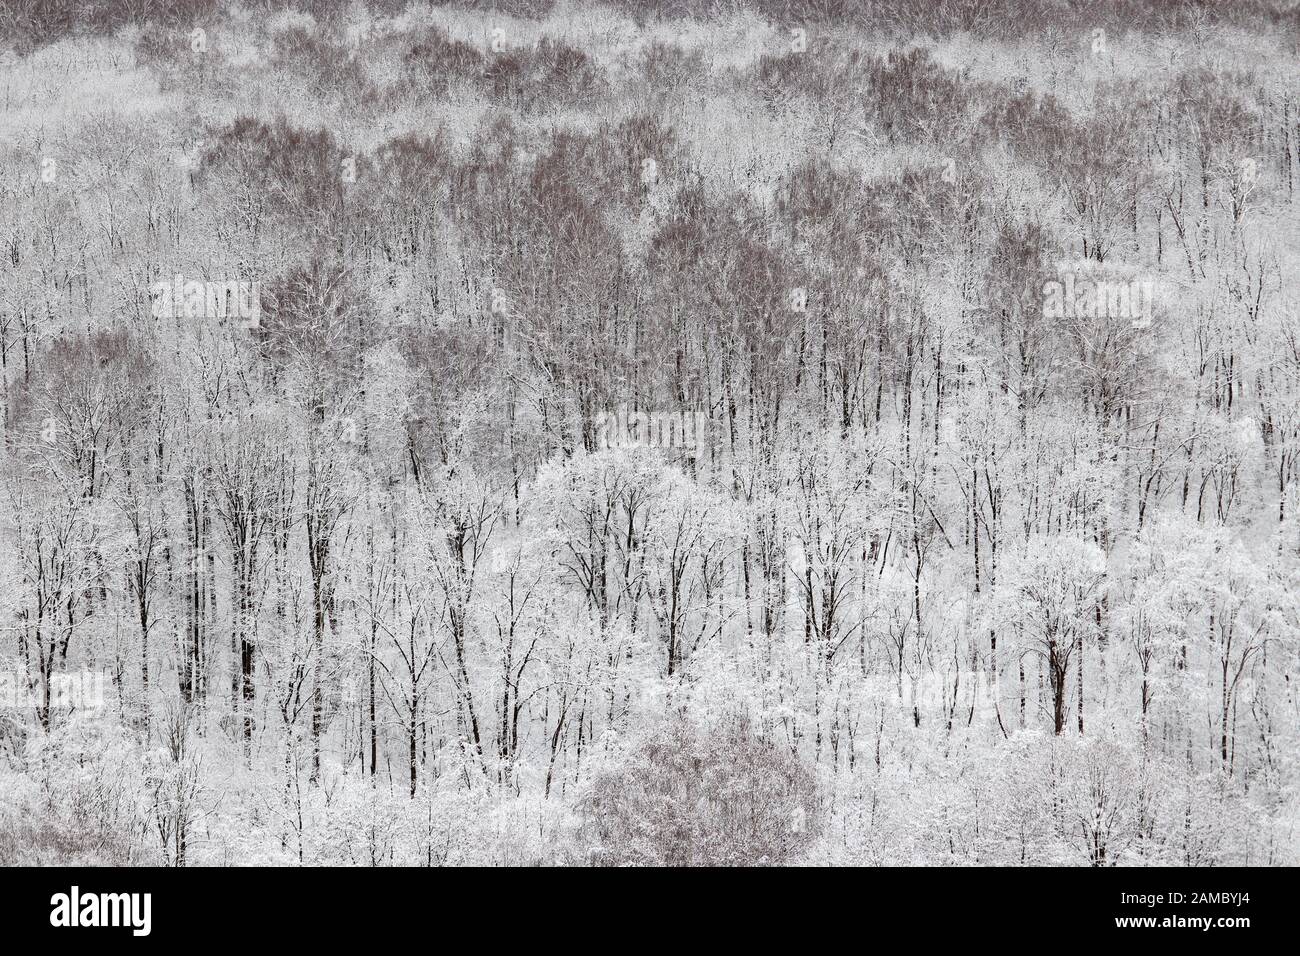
(752, 433)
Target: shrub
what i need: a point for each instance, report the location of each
(321, 60)
(279, 167)
(691, 797)
(437, 61)
(550, 71)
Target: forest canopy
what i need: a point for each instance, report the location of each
(764, 433)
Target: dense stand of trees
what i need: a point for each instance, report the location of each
(947, 577)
